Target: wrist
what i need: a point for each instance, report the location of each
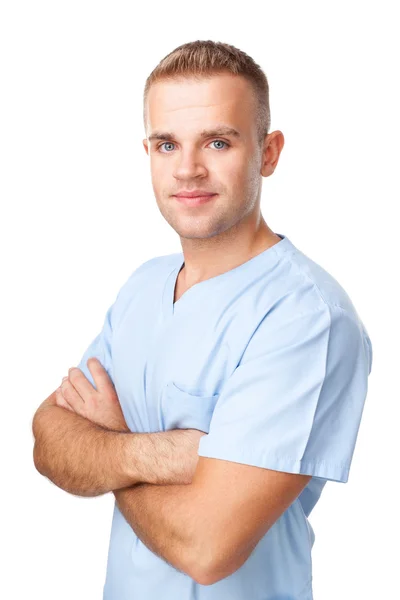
(127, 457)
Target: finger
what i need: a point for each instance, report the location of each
(100, 375)
(71, 395)
(60, 400)
(81, 383)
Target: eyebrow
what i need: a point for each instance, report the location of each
(205, 133)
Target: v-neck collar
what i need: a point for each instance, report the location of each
(170, 307)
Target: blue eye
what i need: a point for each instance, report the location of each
(213, 142)
(220, 142)
(164, 144)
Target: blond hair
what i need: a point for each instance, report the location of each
(205, 58)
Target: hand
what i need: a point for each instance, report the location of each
(192, 440)
(100, 406)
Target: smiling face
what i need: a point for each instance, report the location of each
(190, 148)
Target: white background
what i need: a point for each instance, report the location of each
(78, 215)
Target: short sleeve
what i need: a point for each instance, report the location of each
(295, 401)
(100, 347)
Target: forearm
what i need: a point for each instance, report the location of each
(165, 519)
(77, 455)
(164, 457)
(87, 460)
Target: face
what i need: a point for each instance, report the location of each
(184, 158)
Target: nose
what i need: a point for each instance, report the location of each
(189, 165)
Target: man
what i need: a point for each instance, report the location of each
(228, 382)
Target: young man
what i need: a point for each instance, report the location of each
(230, 378)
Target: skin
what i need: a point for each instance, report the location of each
(100, 405)
(228, 230)
(215, 237)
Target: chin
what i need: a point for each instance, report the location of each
(193, 228)
(196, 233)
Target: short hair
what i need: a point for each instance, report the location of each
(205, 58)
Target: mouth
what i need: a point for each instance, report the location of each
(195, 200)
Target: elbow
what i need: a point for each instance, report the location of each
(205, 579)
(212, 567)
(199, 565)
(213, 575)
(206, 570)
(210, 576)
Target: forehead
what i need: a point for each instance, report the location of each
(185, 104)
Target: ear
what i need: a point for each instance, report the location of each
(272, 148)
(146, 145)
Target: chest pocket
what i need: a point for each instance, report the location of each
(183, 410)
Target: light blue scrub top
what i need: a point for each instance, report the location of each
(271, 360)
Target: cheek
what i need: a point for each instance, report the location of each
(239, 166)
(155, 173)
(160, 187)
(240, 176)
(158, 168)
(251, 173)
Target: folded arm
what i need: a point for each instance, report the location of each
(85, 459)
(209, 529)
(164, 518)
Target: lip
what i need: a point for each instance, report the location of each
(193, 193)
(195, 200)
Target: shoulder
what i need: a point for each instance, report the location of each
(302, 300)
(305, 285)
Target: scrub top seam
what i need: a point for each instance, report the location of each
(292, 259)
